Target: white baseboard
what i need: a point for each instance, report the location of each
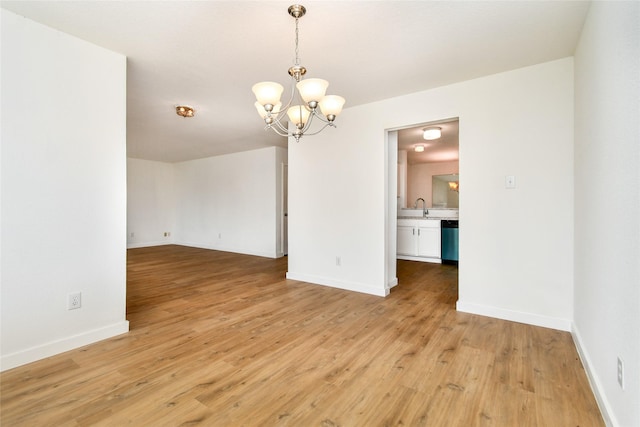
(204, 246)
(32, 354)
(420, 259)
(596, 385)
(340, 284)
(515, 316)
(242, 251)
(148, 244)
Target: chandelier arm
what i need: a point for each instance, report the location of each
(283, 109)
(281, 127)
(276, 131)
(279, 116)
(320, 130)
(308, 124)
(321, 117)
(281, 130)
(278, 126)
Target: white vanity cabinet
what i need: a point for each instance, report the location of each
(419, 240)
(406, 240)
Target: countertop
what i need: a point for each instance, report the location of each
(428, 217)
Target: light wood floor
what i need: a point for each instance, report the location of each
(221, 339)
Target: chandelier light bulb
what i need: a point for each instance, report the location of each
(419, 148)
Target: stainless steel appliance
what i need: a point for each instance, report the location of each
(449, 241)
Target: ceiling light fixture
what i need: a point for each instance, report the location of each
(184, 111)
(311, 94)
(419, 148)
(432, 133)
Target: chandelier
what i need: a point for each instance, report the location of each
(310, 98)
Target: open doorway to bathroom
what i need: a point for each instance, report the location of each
(426, 200)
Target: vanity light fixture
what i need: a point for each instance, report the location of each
(454, 185)
(184, 111)
(432, 133)
(312, 101)
(419, 148)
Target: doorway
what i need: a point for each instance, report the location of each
(416, 166)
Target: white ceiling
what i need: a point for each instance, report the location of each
(208, 54)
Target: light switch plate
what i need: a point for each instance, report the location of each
(510, 181)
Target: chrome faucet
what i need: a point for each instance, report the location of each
(425, 211)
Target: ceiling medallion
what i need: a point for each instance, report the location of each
(184, 111)
(311, 100)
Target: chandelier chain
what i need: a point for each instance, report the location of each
(297, 59)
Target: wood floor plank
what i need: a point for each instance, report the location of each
(222, 339)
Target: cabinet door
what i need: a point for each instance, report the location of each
(429, 241)
(406, 241)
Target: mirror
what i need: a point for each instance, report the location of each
(445, 191)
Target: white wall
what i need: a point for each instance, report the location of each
(516, 245)
(515, 262)
(63, 191)
(420, 180)
(607, 205)
(337, 205)
(151, 203)
(231, 202)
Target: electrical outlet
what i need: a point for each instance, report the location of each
(620, 373)
(74, 301)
